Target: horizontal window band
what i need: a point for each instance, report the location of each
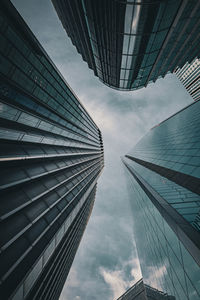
(187, 181)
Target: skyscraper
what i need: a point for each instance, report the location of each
(131, 43)
(141, 291)
(51, 155)
(189, 75)
(163, 172)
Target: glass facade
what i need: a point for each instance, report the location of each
(51, 156)
(131, 43)
(141, 291)
(189, 75)
(163, 180)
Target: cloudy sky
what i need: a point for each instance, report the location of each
(106, 263)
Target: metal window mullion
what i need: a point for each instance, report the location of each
(9, 185)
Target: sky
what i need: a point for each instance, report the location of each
(106, 262)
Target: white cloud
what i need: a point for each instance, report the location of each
(156, 276)
(117, 279)
(116, 282)
(104, 119)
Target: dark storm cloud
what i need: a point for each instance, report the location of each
(106, 263)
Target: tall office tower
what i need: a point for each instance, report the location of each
(163, 172)
(141, 291)
(131, 43)
(51, 155)
(189, 75)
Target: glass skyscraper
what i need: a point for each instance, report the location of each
(131, 43)
(141, 291)
(51, 155)
(189, 75)
(163, 173)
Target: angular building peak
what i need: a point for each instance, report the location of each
(141, 291)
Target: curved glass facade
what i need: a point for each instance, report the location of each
(131, 43)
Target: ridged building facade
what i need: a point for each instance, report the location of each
(189, 75)
(131, 43)
(51, 155)
(163, 175)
